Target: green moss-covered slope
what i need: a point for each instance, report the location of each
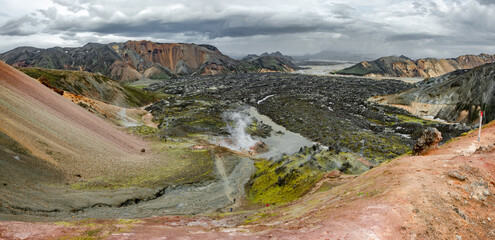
(94, 86)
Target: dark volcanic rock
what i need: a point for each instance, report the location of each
(333, 111)
(429, 140)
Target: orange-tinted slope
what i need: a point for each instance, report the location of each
(55, 129)
(151, 58)
(169, 54)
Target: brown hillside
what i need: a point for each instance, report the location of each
(168, 55)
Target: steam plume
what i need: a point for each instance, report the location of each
(126, 121)
(240, 140)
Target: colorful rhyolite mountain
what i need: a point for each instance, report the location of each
(405, 67)
(134, 60)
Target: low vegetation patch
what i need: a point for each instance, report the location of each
(184, 166)
(290, 177)
(143, 130)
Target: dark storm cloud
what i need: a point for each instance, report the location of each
(19, 27)
(210, 28)
(343, 11)
(49, 14)
(234, 25)
(487, 2)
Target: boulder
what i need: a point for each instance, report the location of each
(428, 140)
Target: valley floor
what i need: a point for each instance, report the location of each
(445, 194)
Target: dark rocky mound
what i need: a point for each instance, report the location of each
(276, 62)
(405, 67)
(134, 60)
(91, 57)
(382, 66)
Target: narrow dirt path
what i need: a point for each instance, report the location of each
(228, 189)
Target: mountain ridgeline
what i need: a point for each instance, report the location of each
(134, 60)
(405, 67)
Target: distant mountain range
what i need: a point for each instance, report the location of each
(336, 56)
(134, 60)
(402, 66)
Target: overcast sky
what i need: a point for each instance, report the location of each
(416, 28)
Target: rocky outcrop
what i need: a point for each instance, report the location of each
(405, 67)
(457, 97)
(430, 139)
(134, 60)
